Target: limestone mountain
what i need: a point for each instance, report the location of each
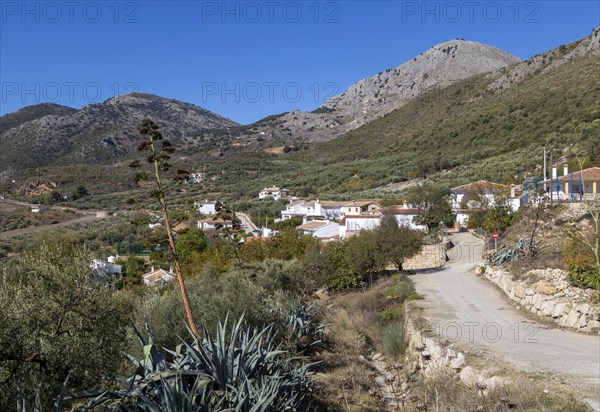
(98, 132)
(373, 97)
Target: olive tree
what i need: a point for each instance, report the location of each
(56, 318)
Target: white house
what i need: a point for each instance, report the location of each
(359, 207)
(351, 225)
(321, 229)
(475, 196)
(293, 209)
(206, 207)
(273, 192)
(158, 277)
(406, 217)
(210, 224)
(106, 269)
(330, 210)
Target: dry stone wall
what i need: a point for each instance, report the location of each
(430, 257)
(548, 294)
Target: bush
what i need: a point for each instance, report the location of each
(583, 271)
(213, 297)
(394, 339)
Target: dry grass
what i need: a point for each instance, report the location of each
(356, 324)
(448, 393)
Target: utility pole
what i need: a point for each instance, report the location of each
(544, 167)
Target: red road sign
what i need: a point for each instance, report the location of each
(495, 235)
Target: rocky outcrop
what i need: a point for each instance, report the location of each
(511, 76)
(548, 294)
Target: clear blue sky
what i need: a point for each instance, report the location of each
(246, 60)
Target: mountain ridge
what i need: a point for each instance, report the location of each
(102, 131)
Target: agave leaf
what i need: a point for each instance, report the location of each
(61, 394)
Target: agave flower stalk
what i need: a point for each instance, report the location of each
(158, 158)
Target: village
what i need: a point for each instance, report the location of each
(329, 221)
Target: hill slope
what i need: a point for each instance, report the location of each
(100, 132)
(29, 113)
(475, 129)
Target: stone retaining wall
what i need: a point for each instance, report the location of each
(548, 294)
(430, 257)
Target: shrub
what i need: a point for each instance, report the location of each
(394, 339)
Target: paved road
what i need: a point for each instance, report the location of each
(246, 221)
(463, 306)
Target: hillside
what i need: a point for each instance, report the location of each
(474, 129)
(100, 132)
(29, 113)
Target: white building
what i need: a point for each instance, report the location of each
(206, 207)
(294, 209)
(336, 210)
(321, 229)
(158, 277)
(106, 269)
(478, 196)
(406, 217)
(39, 208)
(352, 225)
(211, 224)
(273, 192)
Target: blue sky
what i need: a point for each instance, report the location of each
(246, 60)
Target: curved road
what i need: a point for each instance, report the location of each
(464, 307)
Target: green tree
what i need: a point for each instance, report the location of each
(364, 255)
(57, 318)
(338, 269)
(79, 192)
(433, 205)
(497, 218)
(191, 242)
(52, 197)
(397, 243)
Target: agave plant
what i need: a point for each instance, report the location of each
(302, 324)
(245, 373)
(37, 406)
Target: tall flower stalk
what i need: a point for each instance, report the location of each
(159, 152)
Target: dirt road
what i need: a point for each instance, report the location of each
(464, 307)
(35, 229)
